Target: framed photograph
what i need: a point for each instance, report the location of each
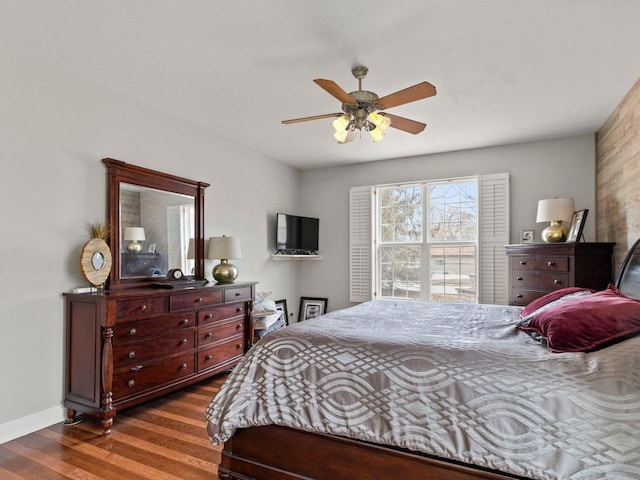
(152, 248)
(528, 236)
(281, 306)
(577, 225)
(311, 308)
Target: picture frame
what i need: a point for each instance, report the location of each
(311, 307)
(152, 248)
(577, 225)
(527, 236)
(281, 306)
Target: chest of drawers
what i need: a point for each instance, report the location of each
(128, 346)
(535, 270)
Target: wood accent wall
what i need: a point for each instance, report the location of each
(618, 177)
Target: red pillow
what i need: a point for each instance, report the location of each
(551, 297)
(587, 323)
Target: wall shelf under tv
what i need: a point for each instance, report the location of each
(282, 256)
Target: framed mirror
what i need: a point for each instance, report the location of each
(156, 224)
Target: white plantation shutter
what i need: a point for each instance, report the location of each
(493, 235)
(174, 255)
(361, 227)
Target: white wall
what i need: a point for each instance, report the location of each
(563, 167)
(54, 131)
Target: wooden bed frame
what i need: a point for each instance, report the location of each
(282, 453)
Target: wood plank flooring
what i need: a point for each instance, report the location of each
(164, 439)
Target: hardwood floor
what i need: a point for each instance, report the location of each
(161, 439)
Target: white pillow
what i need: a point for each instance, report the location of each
(265, 321)
(264, 308)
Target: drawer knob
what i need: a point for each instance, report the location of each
(551, 264)
(184, 341)
(143, 308)
(238, 326)
(208, 335)
(183, 366)
(519, 279)
(131, 383)
(208, 357)
(132, 331)
(557, 282)
(239, 310)
(209, 316)
(519, 295)
(132, 354)
(522, 262)
(199, 300)
(185, 321)
(238, 346)
(237, 294)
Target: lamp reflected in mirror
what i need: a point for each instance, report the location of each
(134, 235)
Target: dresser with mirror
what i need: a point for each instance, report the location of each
(151, 331)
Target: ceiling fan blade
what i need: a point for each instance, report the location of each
(411, 94)
(404, 124)
(350, 135)
(334, 89)
(315, 117)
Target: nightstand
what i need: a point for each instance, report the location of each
(537, 269)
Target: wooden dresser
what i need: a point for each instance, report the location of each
(537, 269)
(131, 345)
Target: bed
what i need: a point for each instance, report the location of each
(416, 390)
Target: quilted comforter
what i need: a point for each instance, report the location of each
(458, 381)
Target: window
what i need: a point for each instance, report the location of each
(440, 265)
(439, 240)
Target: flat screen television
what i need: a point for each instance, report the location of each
(296, 235)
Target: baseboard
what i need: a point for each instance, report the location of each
(31, 423)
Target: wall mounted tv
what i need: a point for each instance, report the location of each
(296, 235)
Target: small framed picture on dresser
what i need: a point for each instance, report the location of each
(577, 225)
(528, 236)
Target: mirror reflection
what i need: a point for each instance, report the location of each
(155, 229)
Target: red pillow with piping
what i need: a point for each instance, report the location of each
(587, 323)
(551, 297)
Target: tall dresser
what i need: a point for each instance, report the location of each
(131, 345)
(537, 269)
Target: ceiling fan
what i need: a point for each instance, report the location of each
(361, 109)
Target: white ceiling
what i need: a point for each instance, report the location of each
(506, 71)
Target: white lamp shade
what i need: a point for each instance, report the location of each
(191, 250)
(133, 233)
(223, 248)
(555, 209)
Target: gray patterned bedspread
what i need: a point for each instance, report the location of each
(454, 380)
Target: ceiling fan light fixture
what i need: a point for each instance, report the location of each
(341, 123)
(380, 121)
(377, 134)
(341, 135)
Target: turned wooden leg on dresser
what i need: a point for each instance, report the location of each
(73, 418)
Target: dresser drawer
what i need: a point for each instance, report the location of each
(238, 294)
(522, 262)
(137, 380)
(522, 296)
(219, 331)
(555, 264)
(540, 280)
(133, 331)
(189, 301)
(220, 354)
(154, 347)
(221, 313)
(140, 307)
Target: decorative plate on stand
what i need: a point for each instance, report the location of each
(95, 262)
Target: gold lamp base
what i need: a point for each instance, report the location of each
(225, 272)
(554, 232)
(134, 247)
